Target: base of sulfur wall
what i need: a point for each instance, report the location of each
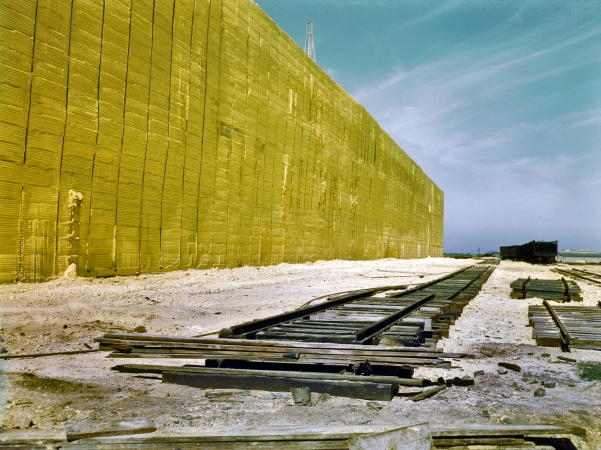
(143, 136)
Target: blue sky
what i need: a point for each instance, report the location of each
(499, 101)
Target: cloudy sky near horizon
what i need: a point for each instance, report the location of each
(499, 101)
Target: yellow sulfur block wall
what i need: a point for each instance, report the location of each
(154, 135)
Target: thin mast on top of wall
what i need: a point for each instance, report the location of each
(309, 43)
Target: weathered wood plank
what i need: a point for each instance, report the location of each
(428, 393)
(247, 342)
(503, 430)
(443, 442)
(31, 437)
(225, 354)
(254, 445)
(82, 430)
(352, 389)
(149, 368)
(261, 434)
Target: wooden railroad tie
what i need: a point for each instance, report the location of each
(566, 325)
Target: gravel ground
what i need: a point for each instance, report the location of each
(67, 314)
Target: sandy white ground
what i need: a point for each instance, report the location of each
(66, 314)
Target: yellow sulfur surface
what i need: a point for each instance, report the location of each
(146, 136)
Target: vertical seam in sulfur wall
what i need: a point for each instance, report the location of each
(60, 169)
(90, 212)
(274, 171)
(146, 142)
(252, 203)
(19, 274)
(181, 222)
(99, 72)
(115, 231)
(217, 145)
(161, 266)
(88, 268)
(204, 116)
(288, 160)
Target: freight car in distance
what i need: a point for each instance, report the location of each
(534, 252)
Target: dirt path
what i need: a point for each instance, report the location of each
(67, 314)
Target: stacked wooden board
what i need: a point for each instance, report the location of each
(140, 433)
(559, 290)
(371, 372)
(148, 346)
(123, 435)
(568, 326)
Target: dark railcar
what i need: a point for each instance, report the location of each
(533, 251)
(509, 251)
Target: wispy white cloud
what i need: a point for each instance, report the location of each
(590, 121)
(489, 125)
(424, 104)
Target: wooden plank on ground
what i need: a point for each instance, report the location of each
(352, 389)
(150, 368)
(250, 342)
(262, 434)
(82, 430)
(503, 430)
(31, 437)
(256, 445)
(443, 442)
(364, 351)
(415, 437)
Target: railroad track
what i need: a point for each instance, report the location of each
(363, 344)
(566, 326)
(591, 277)
(411, 317)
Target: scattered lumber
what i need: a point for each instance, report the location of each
(149, 368)
(134, 345)
(558, 290)
(265, 364)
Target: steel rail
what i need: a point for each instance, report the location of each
(565, 337)
(247, 329)
(577, 275)
(371, 330)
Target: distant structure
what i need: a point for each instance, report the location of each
(534, 252)
(309, 43)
